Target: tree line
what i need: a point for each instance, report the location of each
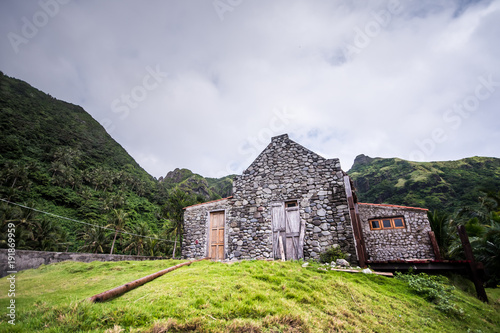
(128, 211)
(118, 234)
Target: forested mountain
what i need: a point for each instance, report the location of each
(443, 186)
(55, 157)
(194, 184)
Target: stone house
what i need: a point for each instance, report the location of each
(292, 203)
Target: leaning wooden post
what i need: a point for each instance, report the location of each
(476, 278)
(356, 223)
(137, 283)
(435, 246)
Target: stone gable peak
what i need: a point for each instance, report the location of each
(282, 150)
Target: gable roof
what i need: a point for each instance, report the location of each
(285, 142)
(392, 206)
(208, 202)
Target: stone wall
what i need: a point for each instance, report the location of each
(411, 242)
(196, 223)
(287, 171)
(33, 259)
(284, 171)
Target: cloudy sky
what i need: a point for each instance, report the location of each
(205, 84)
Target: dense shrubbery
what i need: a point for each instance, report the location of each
(434, 288)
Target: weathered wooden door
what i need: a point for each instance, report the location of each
(293, 250)
(279, 228)
(216, 248)
(287, 226)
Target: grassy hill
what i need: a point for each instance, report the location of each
(435, 185)
(249, 296)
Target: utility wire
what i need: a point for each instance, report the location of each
(73, 220)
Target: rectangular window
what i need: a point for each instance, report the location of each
(375, 225)
(387, 223)
(398, 223)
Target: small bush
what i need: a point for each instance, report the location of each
(332, 254)
(434, 288)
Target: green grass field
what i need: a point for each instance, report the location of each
(249, 296)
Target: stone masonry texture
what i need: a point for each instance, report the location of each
(412, 242)
(196, 224)
(284, 171)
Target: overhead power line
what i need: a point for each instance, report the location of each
(77, 221)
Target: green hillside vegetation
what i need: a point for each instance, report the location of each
(194, 184)
(55, 157)
(248, 296)
(444, 186)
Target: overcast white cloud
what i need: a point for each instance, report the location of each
(205, 84)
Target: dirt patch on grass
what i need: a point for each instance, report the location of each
(172, 325)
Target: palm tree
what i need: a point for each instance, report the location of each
(33, 232)
(159, 246)
(14, 214)
(152, 245)
(118, 219)
(483, 227)
(58, 167)
(16, 171)
(68, 156)
(173, 211)
(442, 225)
(138, 241)
(48, 235)
(95, 239)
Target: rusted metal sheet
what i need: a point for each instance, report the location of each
(137, 283)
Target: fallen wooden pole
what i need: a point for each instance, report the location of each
(137, 283)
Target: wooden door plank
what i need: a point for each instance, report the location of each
(282, 251)
(217, 235)
(278, 223)
(292, 233)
